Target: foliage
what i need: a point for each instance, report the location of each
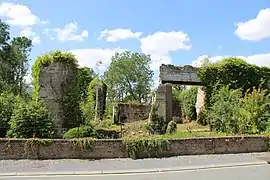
(188, 101)
(70, 97)
(32, 143)
(80, 132)
(129, 77)
(254, 115)
(14, 58)
(84, 143)
(223, 114)
(31, 120)
(235, 73)
(232, 113)
(85, 76)
(150, 146)
(171, 128)
(7, 103)
(88, 108)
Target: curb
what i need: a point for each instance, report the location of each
(134, 171)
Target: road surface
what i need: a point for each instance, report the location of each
(207, 167)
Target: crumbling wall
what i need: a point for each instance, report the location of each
(55, 83)
(200, 101)
(127, 113)
(185, 75)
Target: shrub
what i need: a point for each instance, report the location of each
(7, 103)
(188, 101)
(80, 132)
(254, 115)
(223, 115)
(172, 127)
(31, 119)
(232, 113)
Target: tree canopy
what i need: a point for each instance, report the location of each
(129, 77)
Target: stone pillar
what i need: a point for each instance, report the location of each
(100, 102)
(200, 101)
(163, 102)
(55, 82)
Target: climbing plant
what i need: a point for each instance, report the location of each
(70, 97)
(88, 108)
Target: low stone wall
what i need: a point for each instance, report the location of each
(104, 149)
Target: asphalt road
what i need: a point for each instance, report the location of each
(256, 172)
(209, 167)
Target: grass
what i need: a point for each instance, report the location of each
(138, 130)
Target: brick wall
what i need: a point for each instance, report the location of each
(102, 149)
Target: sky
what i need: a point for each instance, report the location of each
(179, 32)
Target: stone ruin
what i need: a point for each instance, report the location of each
(175, 75)
(128, 112)
(56, 78)
(55, 82)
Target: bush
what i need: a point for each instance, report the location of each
(223, 115)
(232, 113)
(254, 116)
(188, 100)
(31, 119)
(172, 127)
(80, 132)
(7, 103)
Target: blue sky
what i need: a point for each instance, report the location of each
(177, 31)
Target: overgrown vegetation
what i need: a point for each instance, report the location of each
(187, 100)
(151, 146)
(31, 120)
(80, 132)
(70, 98)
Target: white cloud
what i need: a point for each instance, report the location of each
(255, 29)
(18, 15)
(258, 59)
(119, 34)
(27, 32)
(160, 44)
(70, 32)
(90, 57)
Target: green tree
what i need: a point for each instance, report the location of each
(14, 58)
(129, 77)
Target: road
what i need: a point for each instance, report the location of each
(207, 167)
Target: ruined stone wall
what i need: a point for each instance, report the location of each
(55, 82)
(127, 113)
(104, 149)
(184, 75)
(200, 100)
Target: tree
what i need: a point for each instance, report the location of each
(129, 77)
(14, 57)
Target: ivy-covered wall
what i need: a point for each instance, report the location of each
(55, 82)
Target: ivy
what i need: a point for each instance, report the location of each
(70, 100)
(150, 146)
(84, 143)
